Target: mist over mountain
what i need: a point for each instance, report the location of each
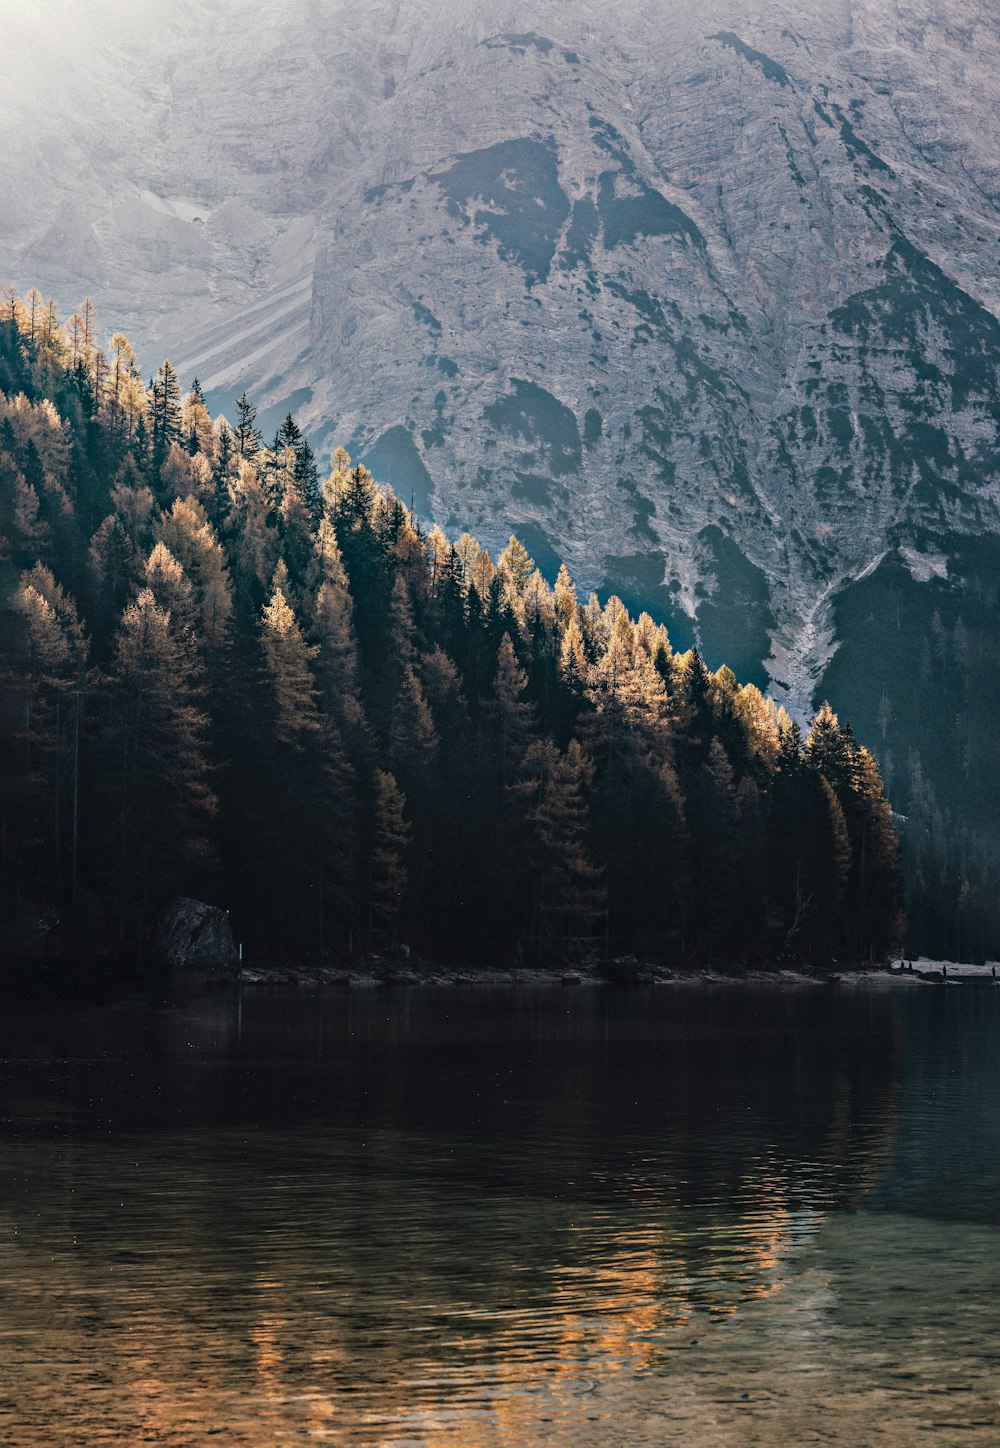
(703, 297)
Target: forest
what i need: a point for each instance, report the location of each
(229, 674)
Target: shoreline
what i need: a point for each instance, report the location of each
(368, 975)
(57, 981)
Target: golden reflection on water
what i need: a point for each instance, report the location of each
(174, 1337)
(579, 1279)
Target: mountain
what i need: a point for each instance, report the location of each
(703, 298)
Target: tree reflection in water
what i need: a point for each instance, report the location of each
(491, 1218)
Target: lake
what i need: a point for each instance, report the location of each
(730, 1215)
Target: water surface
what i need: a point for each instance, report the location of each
(568, 1216)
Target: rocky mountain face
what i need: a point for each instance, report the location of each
(701, 297)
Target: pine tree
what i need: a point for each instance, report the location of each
(568, 900)
(288, 663)
(512, 714)
(516, 566)
(448, 705)
(166, 413)
(479, 570)
(113, 566)
(565, 599)
(49, 683)
(288, 435)
(222, 497)
(307, 478)
(693, 712)
(166, 580)
(51, 347)
(159, 770)
(353, 510)
(36, 311)
(402, 627)
(827, 751)
(255, 553)
(307, 785)
(196, 425)
(413, 742)
(297, 520)
(123, 371)
(31, 535)
(572, 658)
(810, 852)
(877, 916)
(337, 663)
(186, 531)
(247, 439)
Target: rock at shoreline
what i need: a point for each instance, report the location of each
(195, 936)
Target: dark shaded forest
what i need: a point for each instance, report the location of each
(930, 707)
(228, 676)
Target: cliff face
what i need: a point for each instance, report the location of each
(703, 298)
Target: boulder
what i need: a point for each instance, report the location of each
(195, 936)
(624, 970)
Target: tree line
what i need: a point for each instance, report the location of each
(229, 677)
